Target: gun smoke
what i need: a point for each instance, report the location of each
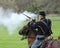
(11, 20)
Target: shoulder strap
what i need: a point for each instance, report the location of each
(42, 29)
(45, 23)
(46, 26)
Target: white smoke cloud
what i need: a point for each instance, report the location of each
(12, 20)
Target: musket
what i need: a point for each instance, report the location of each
(31, 19)
(27, 16)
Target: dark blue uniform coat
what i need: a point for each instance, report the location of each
(44, 27)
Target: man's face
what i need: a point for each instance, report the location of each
(40, 17)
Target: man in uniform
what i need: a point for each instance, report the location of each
(43, 29)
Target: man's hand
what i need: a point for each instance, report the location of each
(32, 22)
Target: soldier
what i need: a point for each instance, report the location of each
(43, 29)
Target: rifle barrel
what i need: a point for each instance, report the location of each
(27, 16)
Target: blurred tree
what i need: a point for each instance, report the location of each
(22, 4)
(50, 6)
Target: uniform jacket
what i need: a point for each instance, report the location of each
(44, 27)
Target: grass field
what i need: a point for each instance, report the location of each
(13, 41)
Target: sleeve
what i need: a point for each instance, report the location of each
(34, 25)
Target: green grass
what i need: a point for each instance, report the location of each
(13, 41)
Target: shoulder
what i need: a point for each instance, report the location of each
(49, 20)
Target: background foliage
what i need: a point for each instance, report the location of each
(50, 6)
